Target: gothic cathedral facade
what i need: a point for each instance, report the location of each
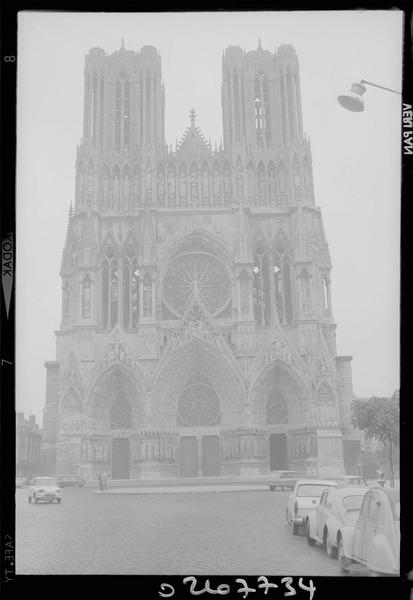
(197, 336)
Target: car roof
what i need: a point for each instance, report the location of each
(325, 482)
(349, 491)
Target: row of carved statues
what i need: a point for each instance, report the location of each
(126, 191)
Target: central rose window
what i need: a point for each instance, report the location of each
(196, 275)
(198, 406)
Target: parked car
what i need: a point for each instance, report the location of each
(284, 480)
(45, 489)
(374, 540)
(304, 499)
(67, 480)
(338, 507)
(21, 482)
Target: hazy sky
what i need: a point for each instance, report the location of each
(356, 156)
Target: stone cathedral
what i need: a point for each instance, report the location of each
(197, 336)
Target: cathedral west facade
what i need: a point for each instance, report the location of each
(197, 336)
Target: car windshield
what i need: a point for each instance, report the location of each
(45, 482)
(310, 490)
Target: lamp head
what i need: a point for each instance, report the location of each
(353, 100)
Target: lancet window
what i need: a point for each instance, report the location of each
(122, 113)
(262, 105)
(110, 287)
(262, 191)
(86, 297)
(130, 279)
(282, 283)
(261, 294)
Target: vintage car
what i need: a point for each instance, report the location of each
(338, 507)
(44, 489)
(70, 480)
(284, 480)
(304, 500)
(374, 540)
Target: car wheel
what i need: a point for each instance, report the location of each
(272, 488)
(296, 529)
(310, 540)
(343, 561)
(330, 549)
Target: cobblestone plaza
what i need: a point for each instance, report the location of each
(209, 533)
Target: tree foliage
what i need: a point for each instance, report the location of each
(378, 417)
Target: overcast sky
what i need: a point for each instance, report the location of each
(356, 156)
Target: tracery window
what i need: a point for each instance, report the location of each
(120, 414)
(262, 192)
(262, 107)
(199, 275)
(110, 284)
(305, 292)
(193, 182)
(130, 278)
(205, 184)
(276, 410)
(147, 295)
(282, 285)
(122, 112)
(261, 294)
(272, 184)
(198, 406)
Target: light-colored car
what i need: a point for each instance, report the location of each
(338, 508)
(374, 541)
(304, 499)
(44, 489)
(284, 480)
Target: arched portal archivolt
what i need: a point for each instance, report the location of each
(116, 401)
(198, 363)
(279, 396)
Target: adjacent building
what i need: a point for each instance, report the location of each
(28, 445)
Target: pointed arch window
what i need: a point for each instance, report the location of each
(216, 184)
(94, 109)
(282, 178)
(118, 99)
(130, 277)
(261, 295)
(86, 307)
(136, 188)
(272, 184)
(262, 191)
(239, 182)
(251, 184)
(306, 304)
(126, 115)
(183, 192)
(120, 414)
(110, 287)
(205, 184)
(227, 183)
(262, 107)
(115, 190)
(105, 188)
(193, 185)
(126, 189)
(282, 285)
(147, 295)
(237, 114)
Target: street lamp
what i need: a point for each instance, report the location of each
(353, 99)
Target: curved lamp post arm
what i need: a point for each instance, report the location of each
(380, 86)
